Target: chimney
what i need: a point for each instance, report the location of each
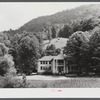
(61, 51)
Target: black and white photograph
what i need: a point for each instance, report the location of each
(49, 45)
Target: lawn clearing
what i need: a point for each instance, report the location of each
(68, 83)
(59, 43)
(45, 77)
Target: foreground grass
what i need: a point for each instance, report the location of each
(68, 83)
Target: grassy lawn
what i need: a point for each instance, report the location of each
(69, 83)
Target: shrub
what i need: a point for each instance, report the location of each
(3, 66)
(44, 85)
(12, 71)
(8, 81)
(47, 73)
(7, 65)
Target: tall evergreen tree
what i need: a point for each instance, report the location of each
(54, 34)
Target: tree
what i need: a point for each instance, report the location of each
(6, 61)
(48, 31)
(49, 34)
(50, 50)
(53, 31)
(3, 49)
(40, 39)
(66, 31)
(77, 47)
(15, 41)
(95, 48)
(4, 39)
(88, 24)
(76, 26)
(26, 52)
(58, 51)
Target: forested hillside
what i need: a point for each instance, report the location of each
(63, 17)
(65, 23)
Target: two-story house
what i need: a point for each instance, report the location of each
(54, 64)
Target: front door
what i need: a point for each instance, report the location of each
(60, 70)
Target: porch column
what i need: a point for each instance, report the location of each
(47, 63)
(53, 66)
(38, 67)
(67, 67)
(64, 67)
(56, 67)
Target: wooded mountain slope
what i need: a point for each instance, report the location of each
(64, 17)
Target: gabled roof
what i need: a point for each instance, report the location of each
(47, 58)
(60, 57)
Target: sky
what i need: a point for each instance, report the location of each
(14, 15)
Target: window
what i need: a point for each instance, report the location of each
(49, 62)
(60, 62)
(44, 68)
(68, 67)
(41, 62)
(62, 69)
(72, 67)
(41, 67)
(49, 67)
(46, 62)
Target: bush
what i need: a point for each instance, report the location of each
(12, 71)
(7, 65)
(8, 81)
(47, 73)
(3, 66)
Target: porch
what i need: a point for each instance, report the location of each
(58, 65)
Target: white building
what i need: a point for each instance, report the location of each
(45, 64)
(53, 64)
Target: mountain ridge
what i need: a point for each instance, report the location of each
(60, 18)
(38, 24)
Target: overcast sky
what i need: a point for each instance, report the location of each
(14, 15)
